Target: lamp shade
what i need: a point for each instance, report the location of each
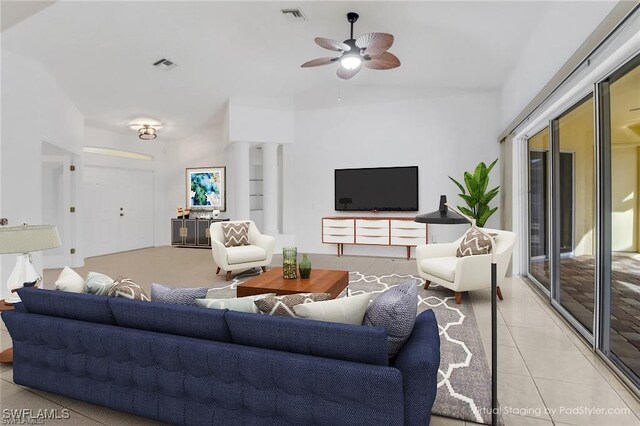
(442, 216)
(28, 238)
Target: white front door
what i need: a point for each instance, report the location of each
(135, 209)
(118, 210)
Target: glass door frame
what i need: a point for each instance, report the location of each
(527, 264)
(604, 187)
(554, 216)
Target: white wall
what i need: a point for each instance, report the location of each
(203, 149)
(443, 136)
(34, 108)
(550, 45)
(171, 158)
(260, 120)
(127, 140)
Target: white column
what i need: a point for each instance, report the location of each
(270, 188)
(241, 174)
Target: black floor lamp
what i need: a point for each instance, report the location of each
(447, 215)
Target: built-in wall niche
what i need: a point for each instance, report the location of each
(256, 193)
(255, 187)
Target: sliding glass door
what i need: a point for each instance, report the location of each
(584, 216)
(574, 212)
(619, 100)
(539, 172)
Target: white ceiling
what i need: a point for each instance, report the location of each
(102, 52)
(13, 12)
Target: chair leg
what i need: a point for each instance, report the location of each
(458, 297)
(499, 293)
(426, 284)
(264, 269)
(228, 276)
(218, 270)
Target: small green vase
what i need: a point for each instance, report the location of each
(305, 267)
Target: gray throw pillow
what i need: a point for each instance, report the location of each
(178, 296)
(395, 310)
(238, 304)
(235, 234)
(98, 283)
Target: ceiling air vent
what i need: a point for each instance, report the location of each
(164, 64)
(294, 15)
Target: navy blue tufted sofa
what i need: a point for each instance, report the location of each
(190, 365)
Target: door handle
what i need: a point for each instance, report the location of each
(121, 214)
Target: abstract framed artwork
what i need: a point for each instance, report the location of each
(206, 188)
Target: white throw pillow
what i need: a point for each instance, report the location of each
(346, 310)
(69, 280)
(98, 283)
(238, 304)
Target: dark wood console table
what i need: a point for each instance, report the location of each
(192, 232)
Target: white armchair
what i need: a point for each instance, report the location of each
(258, 253)
(438, 263)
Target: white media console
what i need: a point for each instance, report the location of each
(373, 230)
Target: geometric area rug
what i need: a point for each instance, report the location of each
(464, 382)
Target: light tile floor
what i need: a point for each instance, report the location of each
(546, 373)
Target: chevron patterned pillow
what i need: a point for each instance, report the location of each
(236, 234)
(473, 243)
(283, 305)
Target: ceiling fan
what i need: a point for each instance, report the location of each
(369, 50)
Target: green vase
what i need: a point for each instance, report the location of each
(305, 267)
(289, 260)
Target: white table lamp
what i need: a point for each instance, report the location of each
(23, 240)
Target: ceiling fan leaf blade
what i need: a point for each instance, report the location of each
(374, 51)
(336, 46)
(375, 43)
(318, 61)
(383, 61)
(346, 74)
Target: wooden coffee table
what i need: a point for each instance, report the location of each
(320, 281)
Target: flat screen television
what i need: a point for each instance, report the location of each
(377, 189)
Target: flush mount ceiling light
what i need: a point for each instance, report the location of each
(147, 133)
(147, 128)
(369, 50)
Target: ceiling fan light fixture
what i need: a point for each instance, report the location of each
(369, 51)
(147, 133)
(351, 62)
